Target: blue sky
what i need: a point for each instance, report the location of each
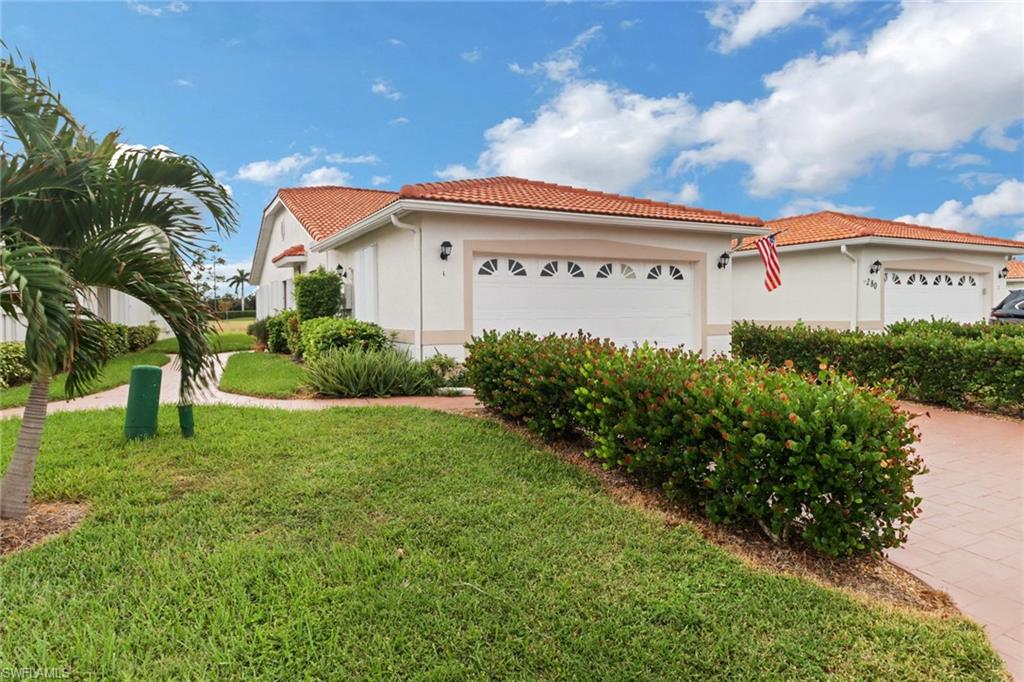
(761, 108)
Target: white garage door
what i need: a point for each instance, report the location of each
(625, 301)
(911, 295)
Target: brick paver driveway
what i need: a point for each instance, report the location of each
(967, 541)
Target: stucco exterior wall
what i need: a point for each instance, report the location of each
(445, 323)
(285, 231)
(817, 288)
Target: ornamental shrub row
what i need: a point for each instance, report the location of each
(321, 334)
(974, 330)
(278, 327)
(352, 372)
(927, 361)
(815, 459)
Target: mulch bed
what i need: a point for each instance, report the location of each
(873, 578)
(45, 520)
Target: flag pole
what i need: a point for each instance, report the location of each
(739, 242)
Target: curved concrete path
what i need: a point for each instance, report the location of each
(118, 397)
(968, 539)
(967, 542)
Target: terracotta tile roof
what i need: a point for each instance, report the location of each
(832, 225)
(1016, 268)
(520, 193)
(326, 210)
(294, 250)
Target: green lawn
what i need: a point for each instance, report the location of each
(268, 546)
(262, 374)
(222, 343)
(114, 373)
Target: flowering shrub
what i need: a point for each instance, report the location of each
(529, 378)
(810, 458)
(925, 361)
(324, 333)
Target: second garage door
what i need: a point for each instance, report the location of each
(911, 295)
(626, 301)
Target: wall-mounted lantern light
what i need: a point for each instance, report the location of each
(446, 249)
(723, 261)
(1004, 273)
(876, 267)
(341, 272)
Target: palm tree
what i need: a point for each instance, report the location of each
(78, 214)
(237, 282)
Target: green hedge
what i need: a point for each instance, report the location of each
(972, 366)
(818, 460)
(278, 328)
(976, 330)
(321, 334)
(317, 294)
(13, 367)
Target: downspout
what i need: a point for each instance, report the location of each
(419, 279)
(856, 288)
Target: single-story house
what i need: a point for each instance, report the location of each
(1015, 274)
(107, 304)
(852, 272)
(436, 263)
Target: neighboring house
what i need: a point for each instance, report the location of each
(439, 262)
(846, 272)
(1015, 274)
(109, 305)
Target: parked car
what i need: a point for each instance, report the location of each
(1011, 309)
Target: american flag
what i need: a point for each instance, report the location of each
(770, 258)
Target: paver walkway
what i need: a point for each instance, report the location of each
(967, 541)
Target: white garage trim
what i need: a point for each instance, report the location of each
(591, 250)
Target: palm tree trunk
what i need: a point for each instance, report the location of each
(16, 486)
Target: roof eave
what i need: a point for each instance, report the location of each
(893, 241)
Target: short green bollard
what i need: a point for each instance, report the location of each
(143, 402)
(186, 421)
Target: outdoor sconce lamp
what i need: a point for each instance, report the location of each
(875, 267)
(1004, 273)
(341, 272)
(723, 261)
(446, 249)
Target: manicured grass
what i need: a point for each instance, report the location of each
(222, 343)
(262, 374)
(236, 325)
(396, 543)
(115, 373)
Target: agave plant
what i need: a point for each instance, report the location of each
(79, 214)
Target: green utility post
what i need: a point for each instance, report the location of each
(143, 402)
(186, 421)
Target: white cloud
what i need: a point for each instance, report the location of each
(839, 40)
(268, 172)
(949, 160)
(743, 23)
(995, 137)
(814, 204)
(378, 180)
(1007, 199)
(1019, 237)
(382, 88)
(456, 171)
(562, 64)
(471, 56)
(918, 159)
(326, 175)
(591, 134)
(401, 120)
(689, 193)
(362, 158)
(174, 7)
(183, 83)
(972, 179)
(627, 24)
(966, 160)
(395, 41)
(931, 79)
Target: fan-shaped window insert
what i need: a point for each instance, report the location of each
(654, 273)
(893, 277)
(516, 268)
(971, 280)
(922, 279)
(962, 281)
(550, 269)
(573, 269)
(627, 271)
(605, 271)
(675, 273)
(912, 279)
(488, 267)
(946, 279)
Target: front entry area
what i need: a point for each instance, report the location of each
(626, 301)
(922, 295)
